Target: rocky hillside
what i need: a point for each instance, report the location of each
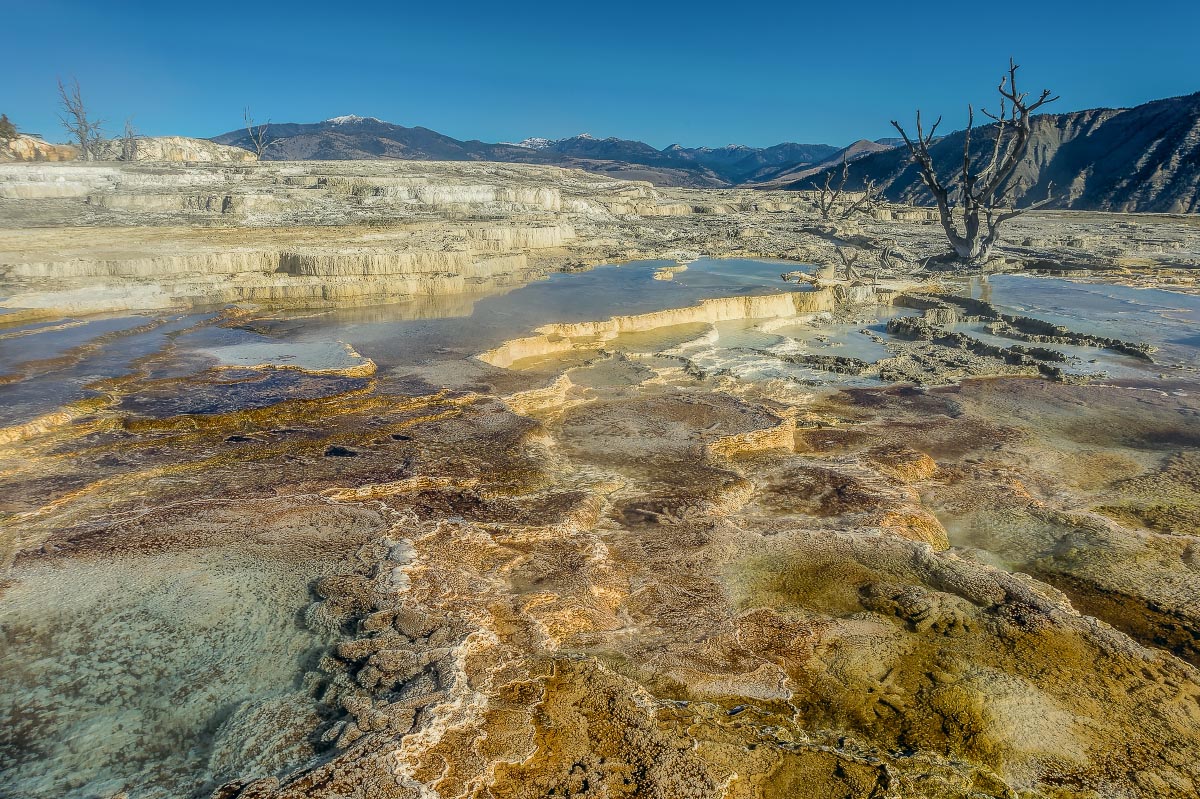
(31, 148)
(780, 176)
(176, 149)
(1145, 158)
(739, 164)
(353, 138)
(367, 138)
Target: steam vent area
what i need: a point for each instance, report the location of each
(418, 480)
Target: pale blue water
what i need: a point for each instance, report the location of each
(1166, 319)
(434, 330)
(416, 332)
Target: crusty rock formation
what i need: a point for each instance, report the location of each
(169, 149)
(307, 234)
(175, 149)
(31, 148)
(615, 575)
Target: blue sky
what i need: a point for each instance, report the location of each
(700, 74)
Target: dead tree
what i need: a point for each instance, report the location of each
(129, 142)
(888, 257)
(86, 132)
(891, 261)
(849, 256)
(260, 140)
(829, 199)
(983, 199)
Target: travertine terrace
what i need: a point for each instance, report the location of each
(261, 539)
(179, 235)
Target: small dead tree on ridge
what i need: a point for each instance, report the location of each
(129, 142)
(260, 141)
(85, 131)
(982, 199)
(829, 199)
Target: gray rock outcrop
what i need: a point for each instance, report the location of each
(1144, 159)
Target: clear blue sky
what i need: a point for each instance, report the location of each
(700, 74)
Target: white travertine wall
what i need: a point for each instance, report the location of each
(563, 337)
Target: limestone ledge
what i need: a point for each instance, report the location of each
(82, 237)
(558, 338)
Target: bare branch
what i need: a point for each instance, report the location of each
(129, 141)
(982, 182)
(85, 131)
(829, 197)
(866, 201)
(849, 256)
(260, 141)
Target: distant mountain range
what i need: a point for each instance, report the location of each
(1145, 158)
(364, 138)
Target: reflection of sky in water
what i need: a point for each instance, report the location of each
(1168, 320)
(1080, 360)
(406, 333)
(414, 332)
(432, 330)
(314, 356)
(53, 343)
(410, 333)
(756, 350)
(29, 398)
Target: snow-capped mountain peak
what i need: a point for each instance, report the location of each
(349, 119)
(533, 143)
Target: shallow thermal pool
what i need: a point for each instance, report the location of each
(443, 328)
(1166, 319)
(51, 364)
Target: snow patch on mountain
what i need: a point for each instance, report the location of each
(532, 143)
(538, 143)
(350, 119)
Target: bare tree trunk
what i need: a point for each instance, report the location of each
(85, 131)
(849, 256)
(829, 198)
(129, 142)
(260, 141)
(985, 204)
